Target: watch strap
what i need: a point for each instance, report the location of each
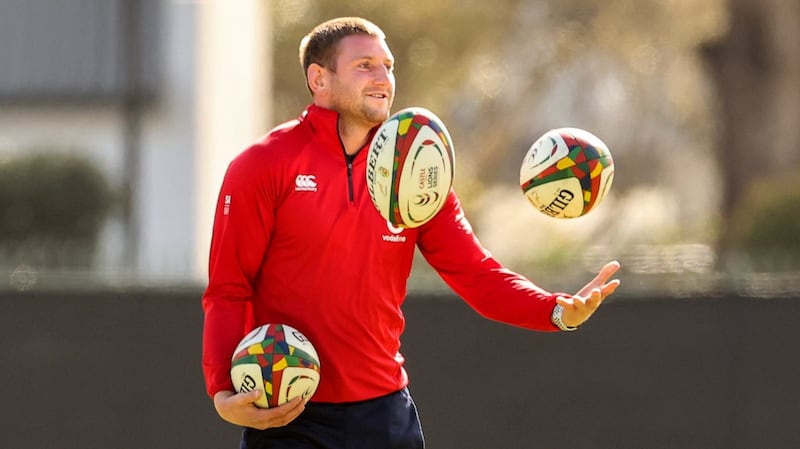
(558, 310)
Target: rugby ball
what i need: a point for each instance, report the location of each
(410, 167)
(278, 360)
(566, 173)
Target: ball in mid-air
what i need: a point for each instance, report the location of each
(567, 172)
(410, 167)
(278, 360)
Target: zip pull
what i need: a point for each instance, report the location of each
(350, 193)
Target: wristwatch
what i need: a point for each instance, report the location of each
(558, 310)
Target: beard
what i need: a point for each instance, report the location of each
(373, 115)
(357, 106)
(364, 111)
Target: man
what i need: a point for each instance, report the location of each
(311, 255)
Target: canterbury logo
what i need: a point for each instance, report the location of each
(305, 183)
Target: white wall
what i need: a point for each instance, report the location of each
(234, 73)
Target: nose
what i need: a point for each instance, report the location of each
(383, 75)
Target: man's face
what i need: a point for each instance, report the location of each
(362, 88)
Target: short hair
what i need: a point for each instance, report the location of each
(319, 46)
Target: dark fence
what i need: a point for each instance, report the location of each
(121, 370)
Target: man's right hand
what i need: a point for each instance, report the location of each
(239, 409)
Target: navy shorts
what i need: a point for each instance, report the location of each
(387, 422)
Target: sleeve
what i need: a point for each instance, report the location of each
(242, 225)
(449, 245)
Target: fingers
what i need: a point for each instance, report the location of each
(281, 415)
(240, 409)
(593, 301)
(565, 301)
(590, 300)
(610, 287)
(601, 280)
(579, 307)
(607, 271)
(247, 398)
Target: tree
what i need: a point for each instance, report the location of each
(755, 67)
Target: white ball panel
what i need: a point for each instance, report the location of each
(425, 179)
(247, 377)
(297, 381)
(544, 152)
(606, 179)
(562, 198)
(380, 166)
(256, 335)
(297, 339)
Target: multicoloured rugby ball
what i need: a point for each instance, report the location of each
(567, 172)
(278, 360)
(410, 167)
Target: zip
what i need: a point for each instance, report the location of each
(349, 158)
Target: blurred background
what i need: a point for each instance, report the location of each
(118, 119)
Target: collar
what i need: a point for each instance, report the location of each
(325, 123)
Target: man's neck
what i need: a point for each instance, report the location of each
(353, 135)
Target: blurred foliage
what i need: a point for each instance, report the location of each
(755, 71)
(52, 207)
(491, 70)
(766, 227)
(502, 73)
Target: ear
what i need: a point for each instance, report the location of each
(316, 78)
